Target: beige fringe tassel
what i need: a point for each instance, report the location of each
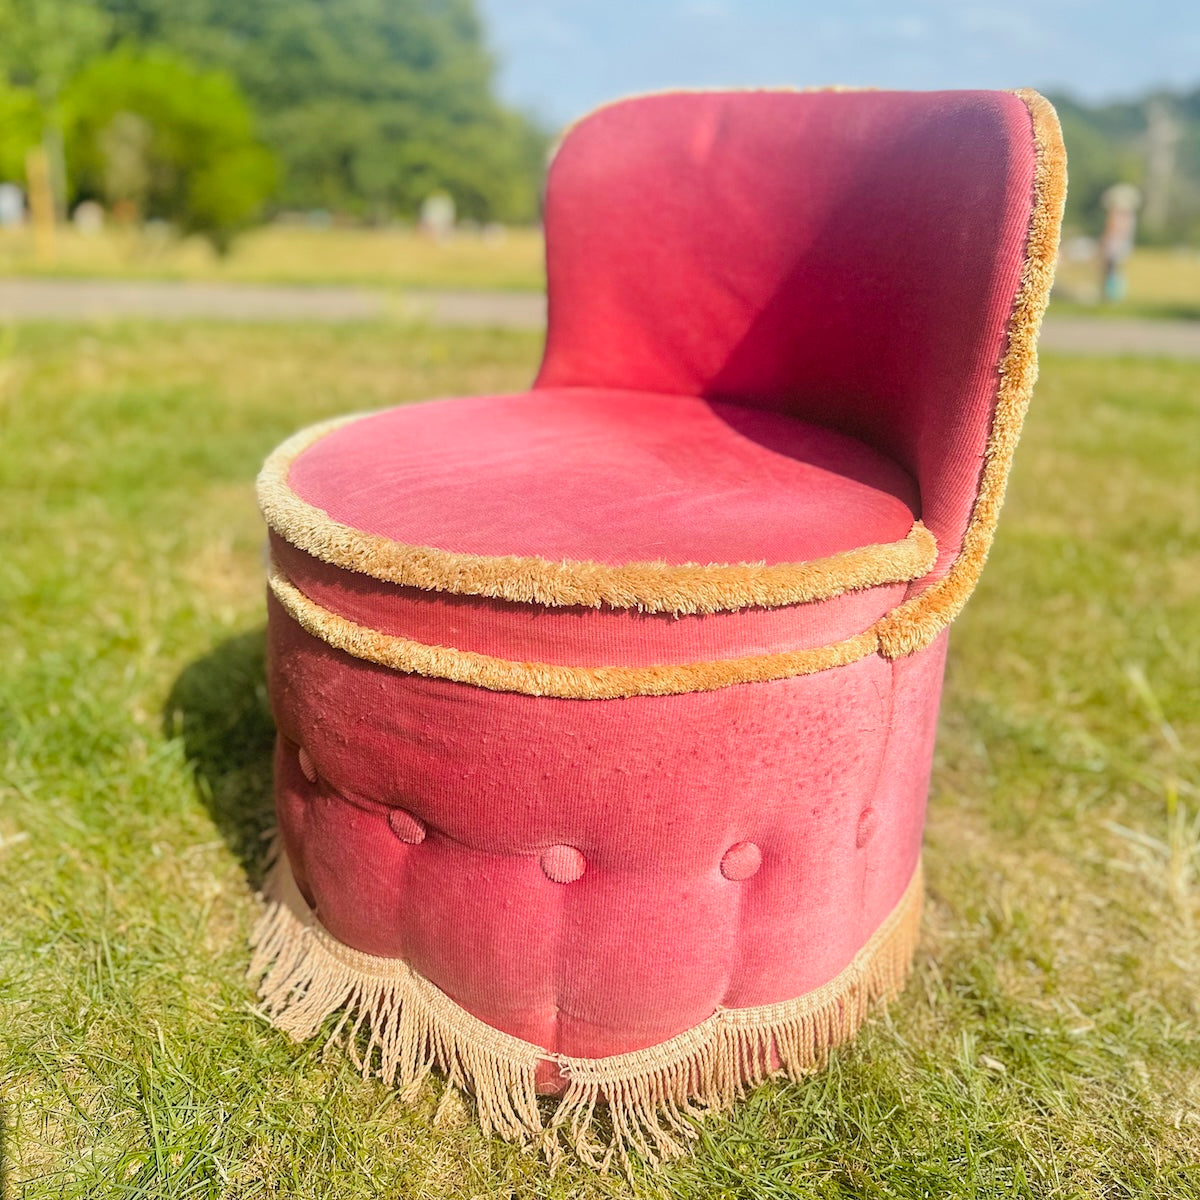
(652, 1097)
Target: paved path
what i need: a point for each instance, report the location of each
(54, 299)
(1121, 335)
(101, 299)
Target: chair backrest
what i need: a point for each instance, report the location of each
(854, 258)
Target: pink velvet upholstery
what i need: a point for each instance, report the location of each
(797, 252)
(606, 476)
(826, 774)
(621, 636)
(776, 323)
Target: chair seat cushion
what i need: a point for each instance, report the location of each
(608, 476)
(593, 528)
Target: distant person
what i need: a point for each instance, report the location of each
(1121, 203)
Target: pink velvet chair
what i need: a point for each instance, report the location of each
(606, 710)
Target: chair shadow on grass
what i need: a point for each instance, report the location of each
(219, 706)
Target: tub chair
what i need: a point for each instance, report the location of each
(606, 709)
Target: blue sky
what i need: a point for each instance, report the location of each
(559, 58)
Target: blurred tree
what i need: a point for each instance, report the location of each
(20, 128)
(125, 145)
(1111, 143)
(155, 137)
(43, 43)
(370, 104)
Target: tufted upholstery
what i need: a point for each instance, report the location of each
(606, 710)
(677, 854)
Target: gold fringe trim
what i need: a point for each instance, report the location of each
(911, 626)
(653, 1096)
(554, 679)
(683, 588)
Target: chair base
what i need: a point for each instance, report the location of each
(305, 975)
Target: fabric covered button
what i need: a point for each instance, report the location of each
(741, 861)
(406, 827)
(306, 765)
(563, 864)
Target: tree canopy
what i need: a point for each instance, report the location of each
(369, 104)
(150, 133)
(366, 107)
(205, 112)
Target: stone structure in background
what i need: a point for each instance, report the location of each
(1121, 203)
(88, 217)
(437, 216)
(12, 206)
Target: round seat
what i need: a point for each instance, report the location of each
(443, 522)
(607, 476)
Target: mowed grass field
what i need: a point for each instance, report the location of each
(501, 259)
(1048, 1044)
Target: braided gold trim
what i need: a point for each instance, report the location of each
(914, 624)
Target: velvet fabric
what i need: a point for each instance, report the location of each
(607, 476)
(825, 775)
(848, 258)
(574, 635)
(611, 477)
(776, 324)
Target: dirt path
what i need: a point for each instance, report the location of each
(54, 299)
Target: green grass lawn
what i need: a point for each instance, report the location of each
(1047, 1046)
